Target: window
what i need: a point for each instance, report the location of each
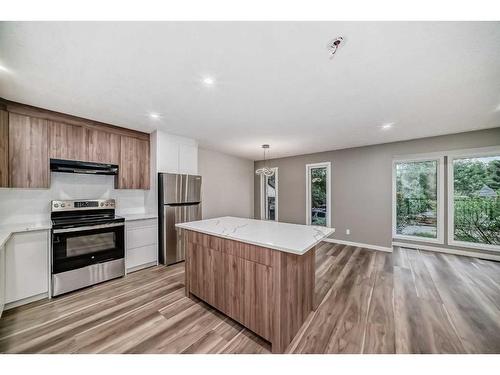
(269, 196)
(474, 200)
(417, 199)
(318, 202)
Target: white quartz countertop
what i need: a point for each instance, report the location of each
(132, 217)
(291, 238)
(7, 230)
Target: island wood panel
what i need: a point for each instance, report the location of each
(296, 282)
(103, 147)
(243, 250)
(4, 148)
(67, 142)
(28, 152)
(134, 163)
(268, 291)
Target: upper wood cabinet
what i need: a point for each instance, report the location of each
(4, 148)
(134, 164)
(103, 147)
(31, 136)
(67, 141)
(28, 152)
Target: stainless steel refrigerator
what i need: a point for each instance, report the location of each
(179, 201)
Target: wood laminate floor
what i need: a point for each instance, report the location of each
(368, 302)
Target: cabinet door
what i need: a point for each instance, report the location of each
(2, 279)
(103, 147)
(188, 159)
(4, 148)
(28, 152)
(27, 268)
(134, 163)
(67, 141)
(207, 275)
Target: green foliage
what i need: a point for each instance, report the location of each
(477, 220)
(318, 187)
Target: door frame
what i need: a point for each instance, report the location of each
(263, 200)
(328, 166)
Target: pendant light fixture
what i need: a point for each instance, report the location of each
(266, 171)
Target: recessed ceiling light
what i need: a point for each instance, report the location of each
(209, 81)
(154, 116)
(387, 126)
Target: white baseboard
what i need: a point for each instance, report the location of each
(357, 244)
(467, 253)
(142, 266)
(25, 301)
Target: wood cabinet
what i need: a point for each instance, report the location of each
(268, 291)
(103, 147)
(134, 163)
(30, 137)
(67, 141)
(4, 148)
(28, 152)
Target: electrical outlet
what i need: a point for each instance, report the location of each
(347, 231)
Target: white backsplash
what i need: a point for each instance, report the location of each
(33, 205)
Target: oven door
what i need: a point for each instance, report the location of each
(74, 248)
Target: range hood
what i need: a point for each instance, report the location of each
(74, 166)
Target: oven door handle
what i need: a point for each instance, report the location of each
(91, 227)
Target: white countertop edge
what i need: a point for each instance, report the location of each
(134, 217)
(261, 244)
(6, 231)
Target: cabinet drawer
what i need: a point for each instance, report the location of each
(139, 237)
(140, 256)
(141, 223)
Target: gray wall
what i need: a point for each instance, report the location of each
(227, 187)
(361, 183)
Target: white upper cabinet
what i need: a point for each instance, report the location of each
(176, 154)
(188, 159)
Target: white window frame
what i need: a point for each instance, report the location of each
(464, 154)
(440, 197)
(263, 197)
(328, 166)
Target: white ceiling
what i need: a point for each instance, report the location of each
(274, 80)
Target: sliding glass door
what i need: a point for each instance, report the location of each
(417, 199)
(474, 200)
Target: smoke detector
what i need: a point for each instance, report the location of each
(334, 45)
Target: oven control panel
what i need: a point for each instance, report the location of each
(72, 205)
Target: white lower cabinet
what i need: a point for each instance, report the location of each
(27, 267)
(141, 244)
(2, 279)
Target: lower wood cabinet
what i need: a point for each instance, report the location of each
(27, 266)
(134, 164)
(240, 288)
(28, 152)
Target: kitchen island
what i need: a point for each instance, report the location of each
(259, 273)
